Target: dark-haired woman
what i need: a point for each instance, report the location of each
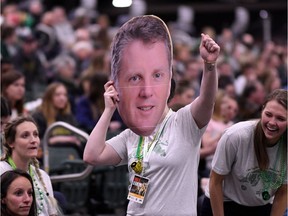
(249, 168)
(13, 90)
(17, 194)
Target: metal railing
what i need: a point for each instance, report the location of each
(65, 177)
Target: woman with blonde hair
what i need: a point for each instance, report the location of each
(55, 107)
(20, 152)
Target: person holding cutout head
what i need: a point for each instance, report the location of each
(160, 146)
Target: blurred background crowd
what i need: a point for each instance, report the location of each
(68, 42)
(55, 58)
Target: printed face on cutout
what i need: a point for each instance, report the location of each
(143, 86)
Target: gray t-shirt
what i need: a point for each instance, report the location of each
(172, 166)
(235, 157)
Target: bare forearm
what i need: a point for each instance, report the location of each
(280, 202)
(203, 105)
(216, 197)
(209, 84)
(216, 194)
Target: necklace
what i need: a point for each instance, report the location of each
(39, 192)
(271, 180)
(137, 165)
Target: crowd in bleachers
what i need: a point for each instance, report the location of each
(49, 46)
(54, 65)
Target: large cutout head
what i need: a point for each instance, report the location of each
(141, 69)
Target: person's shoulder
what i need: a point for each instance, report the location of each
(184, 108)
(43, 173)
(4, 166)
(184, 114)
(181, 111)
(126, 134)
(249, 123)
(242, 126)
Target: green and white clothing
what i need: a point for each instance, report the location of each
(235, 157)
(171, 168)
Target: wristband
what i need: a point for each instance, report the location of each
(210, 66)
(206, 62)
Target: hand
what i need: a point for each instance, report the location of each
(111, 95)
(209, 49)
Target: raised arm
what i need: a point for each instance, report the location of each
(96, 151)
(202, 106)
